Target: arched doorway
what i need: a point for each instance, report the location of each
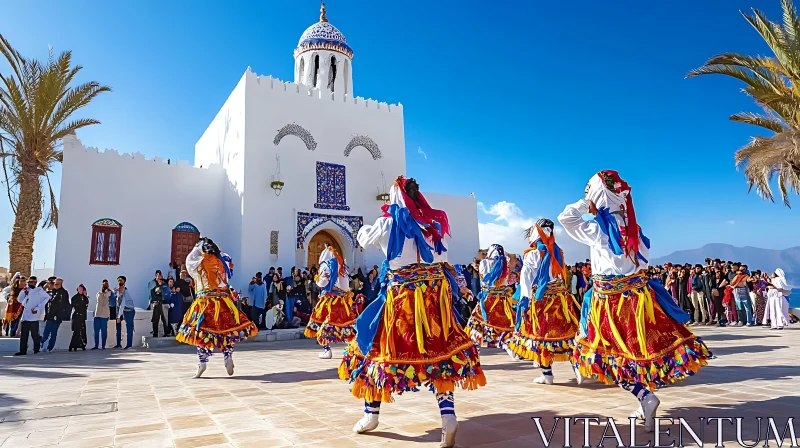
(184, 236)
(317, 245)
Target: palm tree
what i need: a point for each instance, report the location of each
(774, 84)
(36, 103)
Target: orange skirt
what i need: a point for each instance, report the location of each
(213, 321)
(333, 318)
(630, 339)
(418, 341)
(498, 327)
(547, 329)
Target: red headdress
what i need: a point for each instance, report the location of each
(630, 232)
(422, 212)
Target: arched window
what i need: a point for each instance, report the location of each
(332, 74)
(316, 69)
(184, 236)
(106, 238)
(302, 70)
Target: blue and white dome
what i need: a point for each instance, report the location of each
(323, 36)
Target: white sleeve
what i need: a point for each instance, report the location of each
(571, 219)
(529, 267)
(484, 267)
(194, 259)
(377, 234)
(324, 275)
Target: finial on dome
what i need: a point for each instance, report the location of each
(322, 17)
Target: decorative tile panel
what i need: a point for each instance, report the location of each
(273, 242)
(331, 187)
(307, 222)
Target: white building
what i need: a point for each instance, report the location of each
(332, 153)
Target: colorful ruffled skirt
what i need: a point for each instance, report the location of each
(546, 328)
(333, 318)
(417, 339)
(493, 319)
(631, 336)
(213, 321)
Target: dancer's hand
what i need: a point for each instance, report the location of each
(592, 207)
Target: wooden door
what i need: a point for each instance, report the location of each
(317, 245)
(182, 244)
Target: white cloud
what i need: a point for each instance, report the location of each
(508, 226)
(420, 151)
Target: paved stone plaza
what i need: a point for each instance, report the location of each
(282, 395)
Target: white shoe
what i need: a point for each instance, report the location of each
(638, 414)
(201, 367)
(649, 407)
(578, 376)
(367, 423)
(449, 429)
(229, 365)
(544, 379)
(326, 354)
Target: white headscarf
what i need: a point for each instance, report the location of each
(603, 197)
(779, 281)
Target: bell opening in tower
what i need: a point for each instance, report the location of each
(332, 74)
(316, 70)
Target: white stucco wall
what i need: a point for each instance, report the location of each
(148, 197)
(333, 121)
(223, 144)
(462, 212)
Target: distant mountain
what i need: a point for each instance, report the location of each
(753, 257)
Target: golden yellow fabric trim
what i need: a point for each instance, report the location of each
(420, 319)
(444, 310)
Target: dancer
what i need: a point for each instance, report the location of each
(547, 317)
(410, 334)
(777, 312)
(632, 333)
(213, 321)
(492, 320)
(335, 314)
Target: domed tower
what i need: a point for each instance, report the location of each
(322, 59)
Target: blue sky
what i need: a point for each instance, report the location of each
(519, 104)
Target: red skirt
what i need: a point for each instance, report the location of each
(498, 326)
(631, 339)
(548, 328)
(418, 341)
(333, 318)
(213, 321)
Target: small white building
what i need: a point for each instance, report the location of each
(332, 154)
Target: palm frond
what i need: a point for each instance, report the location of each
(51, 220)
(766, 158)
(770, 123)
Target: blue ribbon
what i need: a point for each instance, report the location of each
(542, 278)
(226, 260)
(609, 226)
(524, 304)
(454, 292)
(587, 306)
(404, 226)
(495, 272)
(333, 265)
(367, 322)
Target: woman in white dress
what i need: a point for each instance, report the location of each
(777, 312)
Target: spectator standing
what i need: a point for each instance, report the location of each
(708, 283)
(697, 296)
(152, 283)
(126, 309)
(274, 290)
(258, 299)
(683, 292)
(175, 313)
(744, 308)
(296, 293)
(102, 311)
(373, 287)
(80, 311)
(33, 300)
(717, 292)
(760, 289)
(777, 303)
(185, 284)
(57, 310)
(672, 283)
(112, 309)
(157, 301)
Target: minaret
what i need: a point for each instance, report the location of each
(323, 60)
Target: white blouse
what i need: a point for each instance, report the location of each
(342, 281)
(378, 235)
(484, 268)
(604, 261)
